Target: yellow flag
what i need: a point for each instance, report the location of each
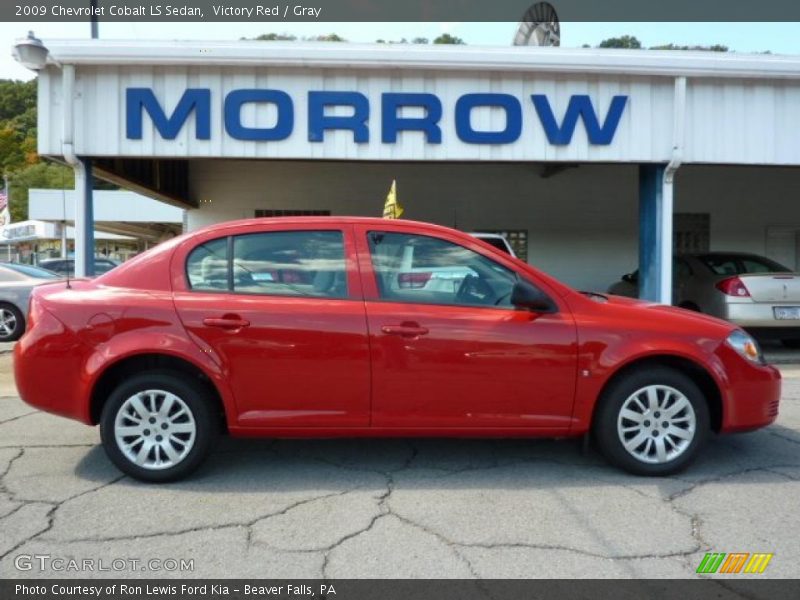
(392, 208)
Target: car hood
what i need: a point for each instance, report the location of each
(653, 310)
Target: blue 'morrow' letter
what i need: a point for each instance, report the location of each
(138, 100)
(508, 103)
(233, 115)
(392, 123)
(318, 121)
(580, 105)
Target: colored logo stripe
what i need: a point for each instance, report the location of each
(711, 562)
(716, 561)
(758, 562)
(734, 562)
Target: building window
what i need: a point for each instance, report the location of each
(691, 233)
(517, 238)
(270, 212)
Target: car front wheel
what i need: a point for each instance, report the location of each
(158, 426)
(652, 421)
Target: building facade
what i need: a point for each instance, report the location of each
(597, 162)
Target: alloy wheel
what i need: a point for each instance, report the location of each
(656, 424)
(8, 323)
(155, 429)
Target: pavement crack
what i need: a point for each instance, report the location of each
(247, 525)
(27, 414)
(10, 464)
(785, 438)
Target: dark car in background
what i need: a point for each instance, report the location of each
(66, 266)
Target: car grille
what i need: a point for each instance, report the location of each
(772, 408)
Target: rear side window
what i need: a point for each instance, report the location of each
(739, 265)
(290, 263)
(207, 266)
(281, 263)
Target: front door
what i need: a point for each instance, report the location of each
(282, 311)
(448, 348)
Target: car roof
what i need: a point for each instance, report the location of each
(332, 220)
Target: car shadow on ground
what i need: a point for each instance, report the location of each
(291, 465)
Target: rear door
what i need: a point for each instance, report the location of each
(281, 309)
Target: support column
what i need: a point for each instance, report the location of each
(84, 219)
(655, 235)
(64, 239)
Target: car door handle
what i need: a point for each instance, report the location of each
(404, 330)
(226, 322)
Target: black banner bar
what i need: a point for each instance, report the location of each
(267, 11)
(749, 587)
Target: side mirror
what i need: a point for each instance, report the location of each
(525, 295)
(630, 278)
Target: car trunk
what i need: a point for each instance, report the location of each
(773, 287)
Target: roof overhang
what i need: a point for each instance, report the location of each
(668, 63)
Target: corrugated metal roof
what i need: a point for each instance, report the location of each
(422, 57)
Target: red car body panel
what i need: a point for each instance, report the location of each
(307, 367)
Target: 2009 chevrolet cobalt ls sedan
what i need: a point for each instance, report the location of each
(320, 327)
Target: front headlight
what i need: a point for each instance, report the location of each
(746, 345)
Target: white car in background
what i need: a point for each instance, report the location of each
(496, 240)
(419, 270)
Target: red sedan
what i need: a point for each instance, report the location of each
(321, 327)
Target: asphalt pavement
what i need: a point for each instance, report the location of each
(391, 508)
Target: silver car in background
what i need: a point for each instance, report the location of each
(751, 291)
(16, 283)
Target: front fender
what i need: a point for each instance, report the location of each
(600, 360)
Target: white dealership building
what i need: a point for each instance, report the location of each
(594, 161)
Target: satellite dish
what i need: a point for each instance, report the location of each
(539, 27)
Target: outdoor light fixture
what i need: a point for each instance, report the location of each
(31, 53)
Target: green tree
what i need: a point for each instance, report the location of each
(713, 48)
(40, 175)
(16, 97)
(273, 37)
(331, 37)
(446, 38)
(625, 41)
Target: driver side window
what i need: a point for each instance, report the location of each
(429, 270)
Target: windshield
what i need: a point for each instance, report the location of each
(31, 271)
(740, 264)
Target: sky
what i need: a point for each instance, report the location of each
(778, 38)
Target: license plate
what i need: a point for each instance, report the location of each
(787, 313)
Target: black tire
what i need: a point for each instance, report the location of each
(794, 344)
(611, 403)
(18, 327)
(197, 401)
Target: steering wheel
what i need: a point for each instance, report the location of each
(473, 288)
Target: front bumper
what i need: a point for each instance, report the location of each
(751, 394)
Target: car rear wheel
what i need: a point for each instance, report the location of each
(158, 426)
(12, 323)
(652, 421)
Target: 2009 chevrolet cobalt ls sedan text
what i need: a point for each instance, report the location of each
(319, 327)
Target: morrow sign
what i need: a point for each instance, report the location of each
(322, 105)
